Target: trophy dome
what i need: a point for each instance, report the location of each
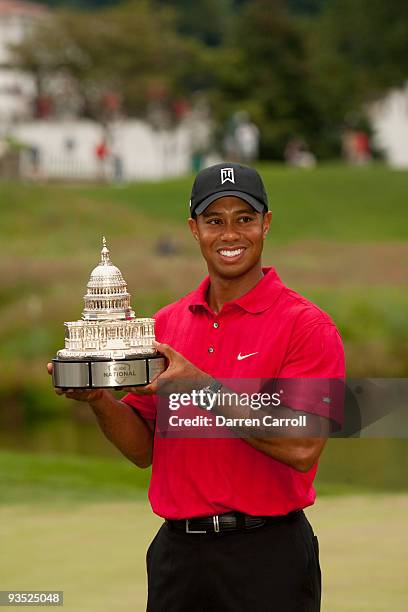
(106, 296)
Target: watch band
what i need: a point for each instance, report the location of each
(211, 389)
(214, 387)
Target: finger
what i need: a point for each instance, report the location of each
(76, 393)
(71, 393)
(164, 349)
(93, 396)
(146, 390)
(79, 396)
(159, 375)
(153, 386)
(63, 391)
(142, 390)
(49, 368)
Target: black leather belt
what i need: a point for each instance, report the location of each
(231, 521)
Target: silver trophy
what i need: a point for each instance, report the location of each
(109, 346)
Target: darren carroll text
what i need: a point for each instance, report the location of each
(222, 421)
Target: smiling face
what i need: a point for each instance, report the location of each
(231, 236)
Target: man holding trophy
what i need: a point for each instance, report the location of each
(235, 538)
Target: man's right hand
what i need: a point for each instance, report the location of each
(81, 395)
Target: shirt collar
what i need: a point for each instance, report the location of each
(258, 299)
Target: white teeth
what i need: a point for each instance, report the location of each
(231, 253)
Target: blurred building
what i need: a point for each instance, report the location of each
(17, 89)
(84, 150)
(52, 141)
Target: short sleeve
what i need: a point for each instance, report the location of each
(313, 373)
(145, 405)
(315, 352)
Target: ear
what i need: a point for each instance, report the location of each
(192, 223)
(266, 223)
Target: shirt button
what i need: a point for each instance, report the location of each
(210, 349)
(216, 325)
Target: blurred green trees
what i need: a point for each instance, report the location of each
(302, 68)
(265, 71)
(128, 55)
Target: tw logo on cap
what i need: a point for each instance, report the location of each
(227, 174)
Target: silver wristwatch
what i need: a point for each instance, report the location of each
(209, 391)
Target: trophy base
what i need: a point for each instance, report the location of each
(91, 373)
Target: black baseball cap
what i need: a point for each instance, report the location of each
(228, 179)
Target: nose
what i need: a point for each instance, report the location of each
(230, 232)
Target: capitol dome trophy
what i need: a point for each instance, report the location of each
(109, 347)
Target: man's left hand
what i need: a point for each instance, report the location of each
(180, 375)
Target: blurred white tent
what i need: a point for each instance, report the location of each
(389, 117)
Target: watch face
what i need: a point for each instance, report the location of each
(216, 386)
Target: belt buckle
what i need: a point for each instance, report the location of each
(188, 530)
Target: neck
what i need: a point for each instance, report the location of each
(224, 290)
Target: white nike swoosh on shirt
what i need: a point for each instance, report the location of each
(240, 357)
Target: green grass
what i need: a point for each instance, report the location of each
(332, 202)
(95, 552)
(58, 479)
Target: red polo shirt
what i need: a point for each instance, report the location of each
(288, 336)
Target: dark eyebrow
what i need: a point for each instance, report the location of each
(210, 214)
(237, 212)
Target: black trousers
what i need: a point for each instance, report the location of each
(274, 568)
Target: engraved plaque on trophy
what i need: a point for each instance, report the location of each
(109, 347)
